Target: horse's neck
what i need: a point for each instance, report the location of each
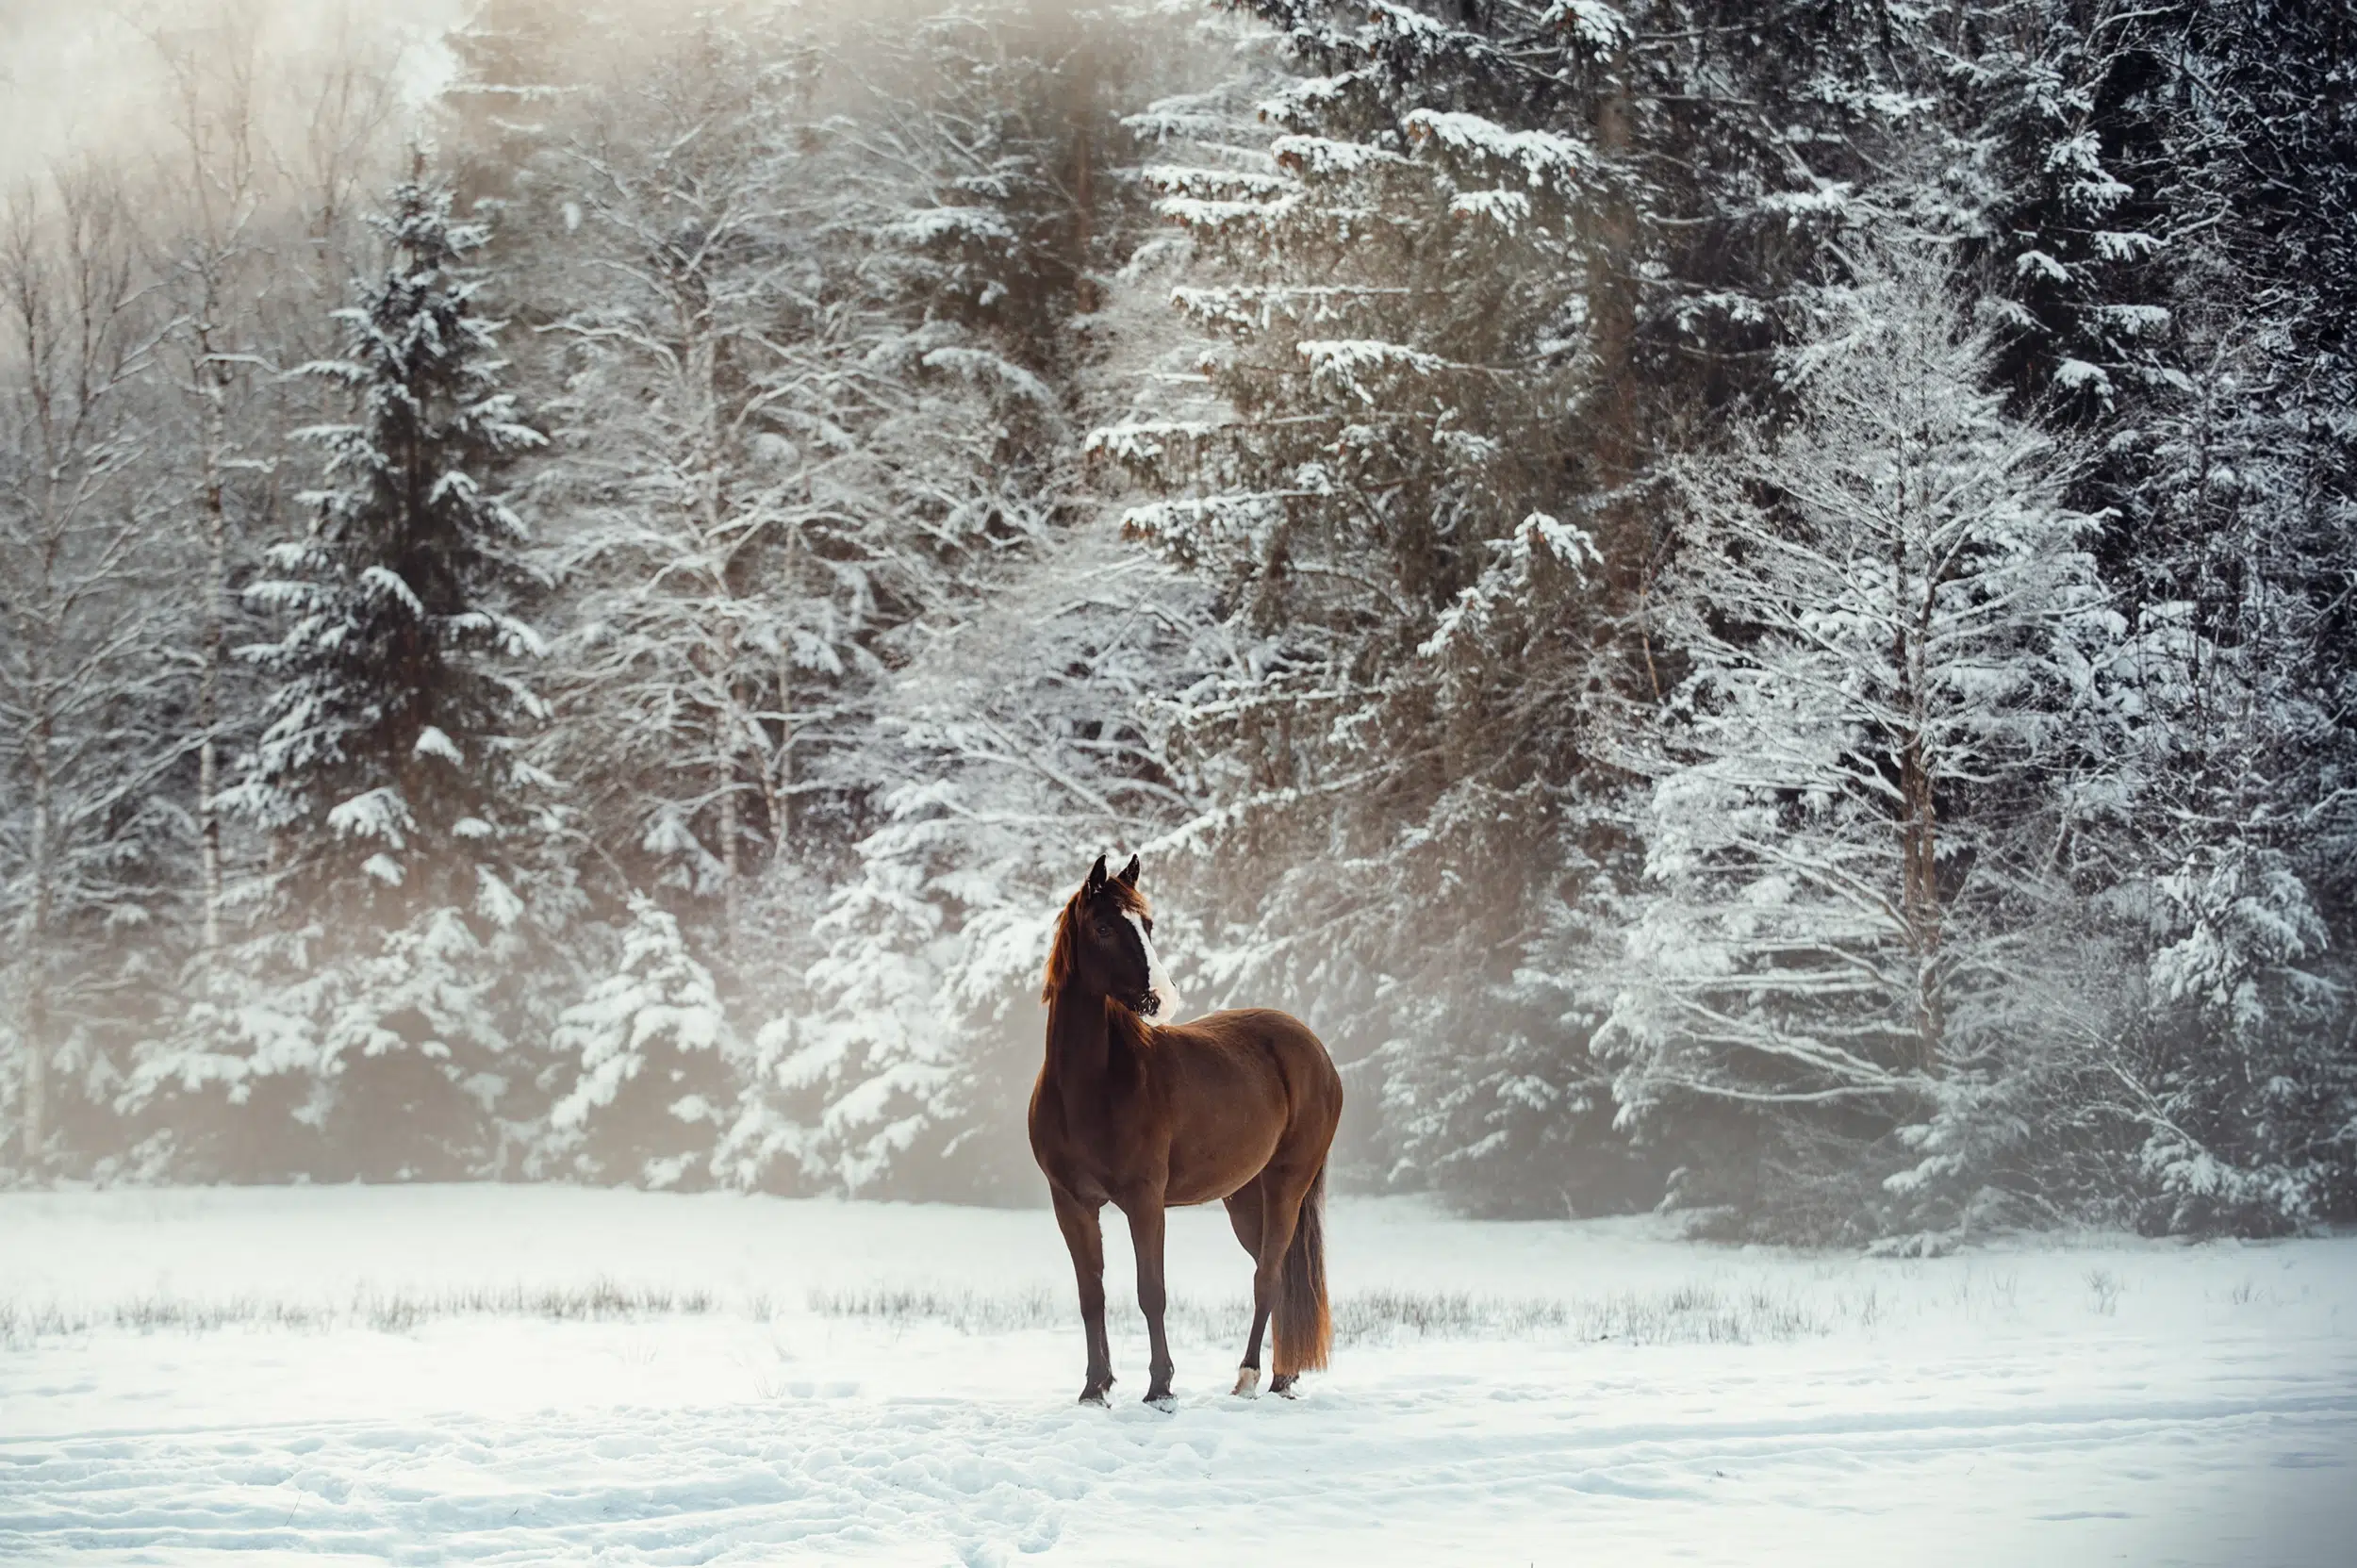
(1080, 1046)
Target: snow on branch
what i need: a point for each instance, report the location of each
(1346, 364)
(1544, 157)
(380, 813)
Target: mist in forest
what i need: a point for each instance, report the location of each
(110, 82)
(1749, 621)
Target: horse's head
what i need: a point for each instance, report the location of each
(1105, 946)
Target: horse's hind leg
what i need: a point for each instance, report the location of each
(1282, 1187)
(1244, 1213)
(1285, 1187)
(1086, 1242)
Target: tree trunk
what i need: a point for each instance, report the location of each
(1918, 843)
(732, 893)
(733, 724)
(208, 679)
(782, 770)
(773, 771)
(1084, 202)
(1612, 294)
(703, 368)
(1919, 823)
(34, 951)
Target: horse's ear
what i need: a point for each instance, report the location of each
(1129, 877)
(1096, 875)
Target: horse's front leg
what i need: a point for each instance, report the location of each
(1086, 1242)
(1144, 1210)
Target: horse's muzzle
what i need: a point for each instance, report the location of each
(1147, 1004)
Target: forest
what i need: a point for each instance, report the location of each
(1746, 603)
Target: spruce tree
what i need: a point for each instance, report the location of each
(1499, 262)
(409, 835)
(2233, 478)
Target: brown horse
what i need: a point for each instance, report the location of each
(1238, 1106)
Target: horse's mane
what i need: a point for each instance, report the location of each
(1060, 952)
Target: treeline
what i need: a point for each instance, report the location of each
(1748, 608)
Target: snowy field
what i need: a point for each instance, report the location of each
(527, 1374)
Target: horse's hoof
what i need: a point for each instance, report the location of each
(1165, 1401)
(1093, 1396)
(1283, 1385)
(1247, 1382)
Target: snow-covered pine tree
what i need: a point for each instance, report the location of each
(2155, 184)
(1870, 788)
(1498, 260)
(251, 212)
(1016, 118)
(412, 846)
(653, 1063)
(2234, 474)
(2237, 1076)
(515, 61)
(2064, 117)
(1395, 339)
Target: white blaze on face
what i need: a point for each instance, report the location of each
(1157, 978)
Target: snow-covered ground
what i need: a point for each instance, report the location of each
(525, 1375)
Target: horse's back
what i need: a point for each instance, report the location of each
(1281, 1042)
(1242, 1090)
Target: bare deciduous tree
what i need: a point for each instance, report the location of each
(80, 676)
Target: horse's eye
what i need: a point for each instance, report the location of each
(1103, 930)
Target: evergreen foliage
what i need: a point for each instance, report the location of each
(1745, 607)
(412, 836)
(1866, 797)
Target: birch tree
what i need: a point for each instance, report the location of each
(215, 264)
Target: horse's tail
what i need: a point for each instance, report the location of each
(1305, 1332)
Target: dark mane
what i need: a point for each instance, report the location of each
(1125, 1027)
(1060, 958)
